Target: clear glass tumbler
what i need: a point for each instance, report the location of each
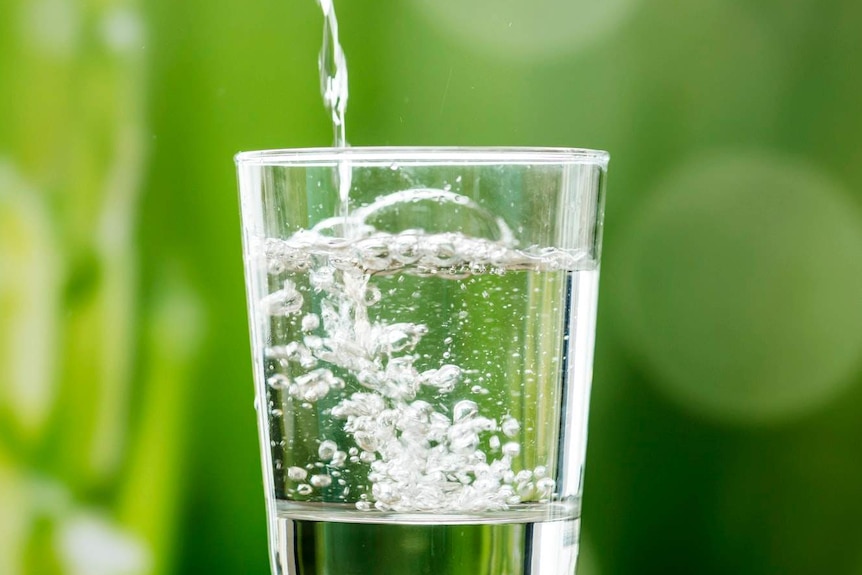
(422, 325)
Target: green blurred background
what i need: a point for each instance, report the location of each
(725, 425)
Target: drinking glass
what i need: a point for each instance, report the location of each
(422, 325)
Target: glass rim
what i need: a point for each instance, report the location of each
(423, 155)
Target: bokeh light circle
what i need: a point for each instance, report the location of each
(741, 288)
(529, 31)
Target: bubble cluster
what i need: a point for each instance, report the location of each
(445, 456)
(447, 254)
(286, 301)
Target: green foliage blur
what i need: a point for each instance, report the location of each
(727, 396)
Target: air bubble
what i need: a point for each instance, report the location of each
(314, 385)
(511, 449)
(310, 322)
(286, 301)
(440, 252)
(282, 257)
(405, 248)
(304, 489)
(278, 381)
(275, 267)
(401, 337)
(462, 439)
(372, 296)
(338, 459)
(445, 378)
(320, 481)
(296, 473)
(366, 441)
(510, 426)
(523, 476)
(327, 450)
(385, 495)
(374, 254)
(322, 279)
(465, 409)
(545, 486)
